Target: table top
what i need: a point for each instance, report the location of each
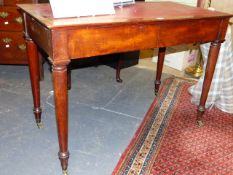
(140, 11)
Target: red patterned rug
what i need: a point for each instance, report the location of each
(169, 142)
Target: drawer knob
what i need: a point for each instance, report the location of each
(7, 40)
(4, 14)
(22, 47)
(19, 20)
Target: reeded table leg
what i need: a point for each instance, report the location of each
(210, 67)
(61, 107)
(161, 55)
(34, 69)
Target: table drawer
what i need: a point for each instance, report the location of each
(13, 2)
(92, 41)
(10, 19)
(12, 48)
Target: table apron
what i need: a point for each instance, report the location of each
(39, 34)
(193, 31)
(92, 41)
(89, 41)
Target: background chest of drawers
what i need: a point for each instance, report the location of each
(12, 45)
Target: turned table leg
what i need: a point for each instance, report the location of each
(69, 78)
(161, 55)
(41, 66)
(118, 68)
(34, 69)
(210, 67)
(61, 108)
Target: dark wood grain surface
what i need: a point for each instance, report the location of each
(12, 43)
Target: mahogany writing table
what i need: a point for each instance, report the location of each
(134, 27)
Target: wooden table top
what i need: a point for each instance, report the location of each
(140, 11)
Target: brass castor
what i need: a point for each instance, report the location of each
(40, 125)
(65, 172)
(200, 123)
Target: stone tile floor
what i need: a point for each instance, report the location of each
(103, 117)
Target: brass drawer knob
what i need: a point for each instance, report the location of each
(22, 47)
(4, 14)
(7, 40)
(19, 20)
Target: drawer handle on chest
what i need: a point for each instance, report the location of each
(22, 47)
(19, 20)
(7, 40)
(4, 14)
